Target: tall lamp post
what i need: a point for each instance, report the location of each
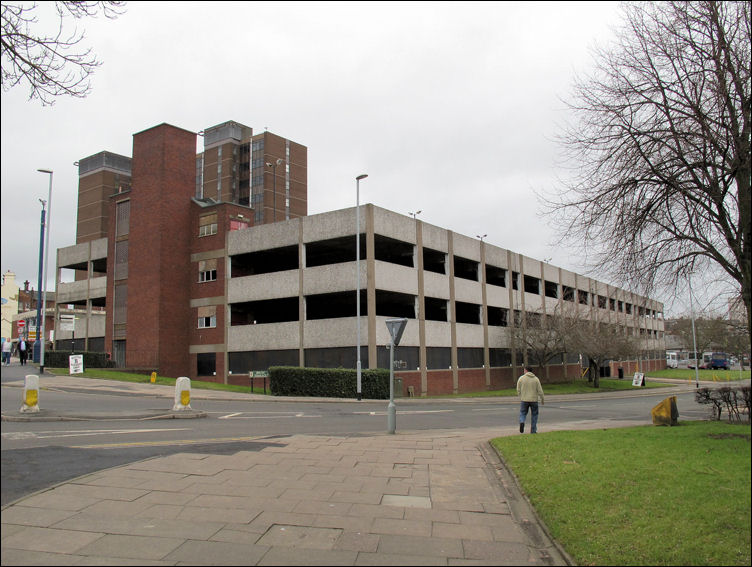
(41, 325)
(694, 336)
(274, 166)
(37, 342)
(357, 271)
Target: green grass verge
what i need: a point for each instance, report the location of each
(163, 380)
(642, 495)
(704, 375)
(576, 387)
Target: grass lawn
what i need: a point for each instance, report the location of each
(641, 495)
(704, 375)
(163, 380)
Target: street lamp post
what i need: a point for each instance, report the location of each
(42, 326)
(694, 337)
(357, 271)
(415, 214)
(274, 166)
(37, 342)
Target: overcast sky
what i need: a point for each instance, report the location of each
(450, 108)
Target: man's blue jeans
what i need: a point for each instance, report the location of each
(533, 406)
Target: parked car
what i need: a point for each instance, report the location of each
(714, 361)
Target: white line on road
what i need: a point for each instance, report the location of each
(401, 412)
(83, 433)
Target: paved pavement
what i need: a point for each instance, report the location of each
(412, 498)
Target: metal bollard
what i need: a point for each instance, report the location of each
(30, 402)
(182, 394)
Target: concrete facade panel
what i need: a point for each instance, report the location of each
(333, 278)
(263, 286)
(263, 337)
(438, 334)
(393, 225)
(391, 277)
(324, 333)
(332, 225)
(469, 335)
(436, 285)
(466, 247)
(435, 237)
(497, 296)
(71, 255)
(468, 291)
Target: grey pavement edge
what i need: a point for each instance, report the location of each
(441, 497)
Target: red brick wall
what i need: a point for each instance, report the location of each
(159, 267)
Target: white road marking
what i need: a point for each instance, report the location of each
(83, 433)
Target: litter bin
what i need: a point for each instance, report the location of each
(621, 373)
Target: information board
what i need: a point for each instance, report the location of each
(76, 364)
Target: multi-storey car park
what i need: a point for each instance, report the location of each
(209, 267)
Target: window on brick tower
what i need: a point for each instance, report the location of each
(207, 225)
(207, 270)
(207, 317)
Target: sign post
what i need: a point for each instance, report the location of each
(396, 328)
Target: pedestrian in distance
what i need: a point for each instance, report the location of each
(23, 351)
(6, 351)
(529, 390)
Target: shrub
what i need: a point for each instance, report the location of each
(734, 400)
(328, 382)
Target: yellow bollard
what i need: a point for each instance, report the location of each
(182, 394)
(30, 402)
(153, 377)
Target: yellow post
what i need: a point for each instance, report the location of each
(153, 377)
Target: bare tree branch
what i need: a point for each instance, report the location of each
(50, 65)
(661, 146)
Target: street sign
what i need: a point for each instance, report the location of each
(67, 322)
(21, 323)
(396, 328)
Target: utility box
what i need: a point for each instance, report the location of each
(398, 391)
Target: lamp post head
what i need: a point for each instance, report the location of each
(45, 171)
(361, 176)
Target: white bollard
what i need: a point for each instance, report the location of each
(31, 394)
(182, 394)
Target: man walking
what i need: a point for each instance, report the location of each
(529, 390)
(22, 350)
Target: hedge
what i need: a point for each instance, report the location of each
(59, 359)
(328, 382)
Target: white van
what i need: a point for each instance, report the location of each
(672, 359)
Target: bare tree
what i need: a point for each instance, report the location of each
(660, 146)
(568, 330)
(542, 339)
(51, 65)
(600, 342)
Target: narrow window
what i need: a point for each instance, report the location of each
(207, 270)
(207, 317)
(207, 225)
